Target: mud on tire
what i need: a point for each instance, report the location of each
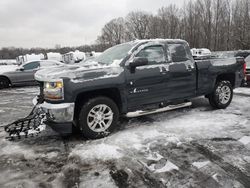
(222, 95)
(98, 117)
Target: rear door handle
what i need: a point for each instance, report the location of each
(163, 70)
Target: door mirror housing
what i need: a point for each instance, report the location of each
(20, 69)
(137, 62)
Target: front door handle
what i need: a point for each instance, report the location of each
(189, 68)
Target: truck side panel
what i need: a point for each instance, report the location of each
(223, 69)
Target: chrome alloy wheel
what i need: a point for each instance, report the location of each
(100, 118)
(224, 94)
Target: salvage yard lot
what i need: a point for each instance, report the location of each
(191, 147)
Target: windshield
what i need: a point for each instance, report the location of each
(117, 52)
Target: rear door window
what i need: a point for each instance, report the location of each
(154, 54)
(178, 52)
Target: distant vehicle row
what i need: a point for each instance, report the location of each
(68, 58)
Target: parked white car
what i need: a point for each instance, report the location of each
(200, 52)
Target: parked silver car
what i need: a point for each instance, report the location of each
(23, 74)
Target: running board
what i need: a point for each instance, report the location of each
(167, 108)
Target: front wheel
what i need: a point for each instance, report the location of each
(222, 95)
(98, 117)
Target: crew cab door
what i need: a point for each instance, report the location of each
(181, 74)
(145, 84)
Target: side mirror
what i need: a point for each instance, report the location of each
(137, 62)
(20, 69)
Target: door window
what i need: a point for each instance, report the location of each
(31, 66)
(154, 54)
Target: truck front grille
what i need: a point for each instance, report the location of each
(41, 95)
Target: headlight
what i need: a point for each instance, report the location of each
(53, 90)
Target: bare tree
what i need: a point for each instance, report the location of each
(241, 24)
(138, 25)
(113, 32)
(169, 21)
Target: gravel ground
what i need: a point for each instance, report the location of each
(191, 147)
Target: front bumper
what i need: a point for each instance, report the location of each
(59, 113)
(60, 116)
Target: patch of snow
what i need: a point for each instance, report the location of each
(97, 78)
(8, 68)
(103, 180)
(100, 151)
(50, 155)
(25, 90)
(200, 164)
(12, 149)
(136, 137)
(224, 62)
(215, 177)
(167, 167)
(242, 90)
(154, 156)
(245, 140)
(17, 179)
(116, 63)
(4, 62)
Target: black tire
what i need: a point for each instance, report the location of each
(84, 117)
(221, 102)
(4, 83)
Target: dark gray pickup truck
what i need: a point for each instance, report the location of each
(133, 79)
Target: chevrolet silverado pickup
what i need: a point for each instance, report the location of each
(133, 79)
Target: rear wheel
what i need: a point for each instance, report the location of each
(222, 95)
(4, 82)
(98, 117)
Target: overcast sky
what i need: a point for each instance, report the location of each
(45, 23)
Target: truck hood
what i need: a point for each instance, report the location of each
(78, 73)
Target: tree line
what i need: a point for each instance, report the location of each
(12, 52)
(215, 24)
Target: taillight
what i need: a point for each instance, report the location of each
(244, 67)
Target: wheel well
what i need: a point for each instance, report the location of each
(228, 76)
(5, 77)
(112, 93)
